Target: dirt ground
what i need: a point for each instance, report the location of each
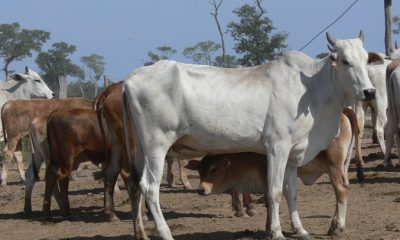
(373, 210)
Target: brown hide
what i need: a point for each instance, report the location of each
(74, 136)
(16, 117)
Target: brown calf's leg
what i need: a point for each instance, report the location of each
(236, 205)
(248, 204)
(64, 183)
(9, 149)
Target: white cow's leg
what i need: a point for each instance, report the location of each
(359, 110)
(182, 163)
(277, 155)
(339, 183)
(150, 181)
(290, 191)
(170, 175)
(35, 163)
(374, 118)
(379, 129)
(389, 133)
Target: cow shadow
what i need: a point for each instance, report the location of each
(220, 235)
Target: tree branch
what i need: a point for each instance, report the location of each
(221, 33)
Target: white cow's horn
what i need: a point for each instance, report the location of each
(331, 39)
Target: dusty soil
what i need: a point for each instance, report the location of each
(373, 210)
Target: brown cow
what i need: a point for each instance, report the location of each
(74, 136)
(245, 172)
(16, 117)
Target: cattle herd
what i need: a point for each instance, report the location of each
(245, 130)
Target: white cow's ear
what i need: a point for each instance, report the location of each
(17, 77)
(375, 59)
(334, 59)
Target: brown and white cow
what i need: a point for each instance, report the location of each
(219, 173)
(16, 117)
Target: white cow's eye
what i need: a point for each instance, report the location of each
(37, 80)
(345, 62)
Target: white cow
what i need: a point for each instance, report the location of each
(28, 85)
(377, 75)
(393, 112)
(288, 109)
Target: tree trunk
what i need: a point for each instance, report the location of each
(388, 27)
(106, 81)
(62, 81)
(82, 92)
(221, 33)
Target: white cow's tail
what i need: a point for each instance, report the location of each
(127, 130)
(393, 94)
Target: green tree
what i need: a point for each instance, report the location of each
(202, 52)
(396, 24)
(322, 55)
(230, 61)
(95, 65)
(253, 36)
(162, 53)
(56, 63)
(17, 44)
(82, 88)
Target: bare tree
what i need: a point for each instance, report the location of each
(217, 5)
(388, 27)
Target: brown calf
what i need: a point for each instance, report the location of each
(74, 136)
(246, 172)
(16, 117)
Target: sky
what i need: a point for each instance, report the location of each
(124, 31)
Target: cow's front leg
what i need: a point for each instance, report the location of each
(277, 155)
(290, 191)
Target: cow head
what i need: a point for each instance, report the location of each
(349, 61)
(32, 84)
(214, 174)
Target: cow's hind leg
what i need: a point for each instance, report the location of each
(9, 149)
(290, 195)
(184, 179)
(152, 163)
(135, 195)
(339, 183)
(30, 178)
(64, 183)
(111, 174)
(248, 204)
(51, 181)
(236, 204)
(19, 158)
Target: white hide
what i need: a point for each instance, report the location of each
(289, 109)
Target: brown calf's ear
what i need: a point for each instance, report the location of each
(226, 163)
(375, 59)
(193, 165)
